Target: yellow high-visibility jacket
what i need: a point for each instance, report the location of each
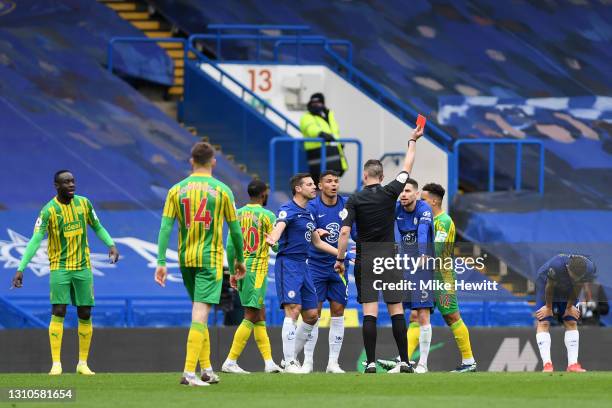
(311, 125)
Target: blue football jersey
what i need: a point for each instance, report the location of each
(330, 219)
(556, 269)
(416, 229)
(296, 237)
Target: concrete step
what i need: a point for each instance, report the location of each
(175, 53)
(179, 72)
(158, 34)
(134, 15)
(146, 25)
(179, 81)
(122, 6)
(175, 90)
(171, 45)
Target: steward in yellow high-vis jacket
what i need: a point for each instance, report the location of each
(319, 122)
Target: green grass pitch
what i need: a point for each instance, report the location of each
(516, 390)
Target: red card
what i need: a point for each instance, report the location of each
(421, 120)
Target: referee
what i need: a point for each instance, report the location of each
(373, 211)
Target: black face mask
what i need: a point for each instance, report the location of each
(316, 110)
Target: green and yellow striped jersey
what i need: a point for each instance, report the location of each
(255, 221)
(444, 229)
(66, 225)
(200, 203)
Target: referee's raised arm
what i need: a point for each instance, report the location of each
(411, 152)
(350, 216)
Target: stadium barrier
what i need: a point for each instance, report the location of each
(454, 158)
(138, 350)
(295, 151)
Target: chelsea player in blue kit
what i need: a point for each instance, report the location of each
(414, 221)
(328, 210)
(294, 231)
(558, 285)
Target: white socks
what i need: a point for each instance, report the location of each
(571, 344)
(543, 340)
(424, 343)
(336, 336)
(304, 331)
(572, 340)
(288, 334)
(310, 345)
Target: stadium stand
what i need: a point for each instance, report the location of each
(144, 151)
(480, 69)
(61, 109)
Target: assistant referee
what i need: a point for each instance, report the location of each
(373, 211)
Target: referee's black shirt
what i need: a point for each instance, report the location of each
(373, 210)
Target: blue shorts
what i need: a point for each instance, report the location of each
(329, 285)
(559, 304)
(294, 284)
(420, 298)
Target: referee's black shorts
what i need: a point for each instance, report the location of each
(366, 279)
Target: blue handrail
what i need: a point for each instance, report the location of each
(453, 177)
(404, 112)
(114, 40)
(392, 154)
(260, 38)
(296, 142)
(256, 27)
(300, 41)
(243, 89)
(392, 103)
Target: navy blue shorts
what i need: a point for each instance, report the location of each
(420, 298)
(294, 284)
(329, 285)
(559, 301)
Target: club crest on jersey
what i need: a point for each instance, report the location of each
(343, 214)
(415, 221)
(291, 294)
(282, 215)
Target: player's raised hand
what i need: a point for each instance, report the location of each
(572, 311)
(161, 273)
(543, 312)
(17, 280)
(233, 282)
(339, 267)
(113, 254)
(239, 270)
